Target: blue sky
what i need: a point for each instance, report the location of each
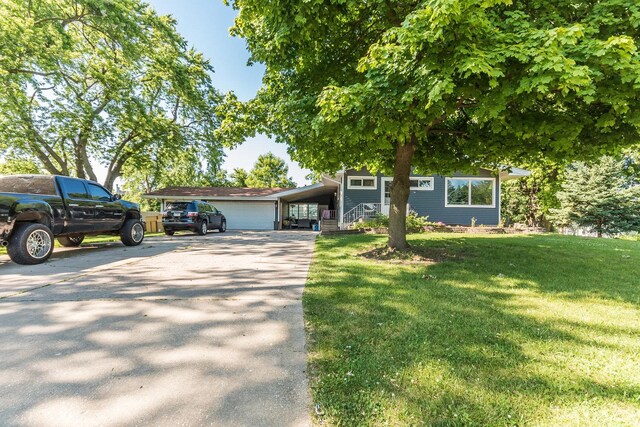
(205, 25)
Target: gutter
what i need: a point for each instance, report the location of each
(221, 198)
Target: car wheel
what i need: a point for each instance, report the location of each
(202, 230)
(132, 232)
(30, 244)
(223, 227)
(71, 241)
(168, 232)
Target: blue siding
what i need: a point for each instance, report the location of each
(353, 198)
(429, 203)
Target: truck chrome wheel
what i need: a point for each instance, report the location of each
(39, 244)
(132, 232)
(137, 232)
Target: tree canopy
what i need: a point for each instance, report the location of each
(442, 85)
(88, 82)
(269, 171)
(529, 200)
(18, 166)
(239, 177)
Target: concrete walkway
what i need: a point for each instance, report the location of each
(185, 330)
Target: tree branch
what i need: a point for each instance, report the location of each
(33, 72)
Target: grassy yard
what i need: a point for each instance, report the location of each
(481, 330)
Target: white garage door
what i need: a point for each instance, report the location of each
(247, 215)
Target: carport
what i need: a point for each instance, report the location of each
(303, 207)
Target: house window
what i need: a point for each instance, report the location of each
(421, 184)
(362, 183)
(470, 192)
(303, 211)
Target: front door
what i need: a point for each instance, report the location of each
(385, 201)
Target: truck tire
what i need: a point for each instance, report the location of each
(202, 228)
(30, 243)
(169, 232)
(71, 241)
(223, 226)
(132, 232)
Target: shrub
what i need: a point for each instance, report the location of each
(415, 223)
(378, 221)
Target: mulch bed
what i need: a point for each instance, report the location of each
(413, 255)
(463, 229)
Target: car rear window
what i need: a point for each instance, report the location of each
(179, 206)
(28, 184)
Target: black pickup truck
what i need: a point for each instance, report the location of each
(35, 208)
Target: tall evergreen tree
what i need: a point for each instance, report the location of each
(599, 196)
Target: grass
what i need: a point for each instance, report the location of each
(92, 239)
(475, 331)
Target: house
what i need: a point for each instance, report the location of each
(339, 201)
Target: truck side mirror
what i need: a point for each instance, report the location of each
(117, 197)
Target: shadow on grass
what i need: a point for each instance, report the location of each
(494, 339)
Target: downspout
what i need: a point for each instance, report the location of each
(499, 196)
(341, 201)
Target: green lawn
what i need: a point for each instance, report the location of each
(495, 331)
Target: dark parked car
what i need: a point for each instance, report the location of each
(195, 216)
(36, 208)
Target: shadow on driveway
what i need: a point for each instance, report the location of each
(191, 330)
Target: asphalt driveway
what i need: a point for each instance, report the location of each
(186, 330)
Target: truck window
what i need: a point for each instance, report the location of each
(73, 188)
(98, 193)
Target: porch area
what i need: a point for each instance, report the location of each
(313, 207)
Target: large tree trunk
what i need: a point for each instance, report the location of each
(400, 195)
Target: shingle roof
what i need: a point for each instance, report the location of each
(216, 192)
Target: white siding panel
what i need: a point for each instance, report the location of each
(247, 215)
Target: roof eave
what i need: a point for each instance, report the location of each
(273, 197)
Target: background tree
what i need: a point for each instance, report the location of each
(442, 86)
(314, 177)
(598, 196)
(239, 177)
(100, 82)
(529, 200)
(166, 168)
(269, 171)
(13, 165)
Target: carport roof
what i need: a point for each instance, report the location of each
(211, 192)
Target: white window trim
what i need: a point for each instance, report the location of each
(382, 203)
(426, 178)
(350, 187)
(493, 192)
